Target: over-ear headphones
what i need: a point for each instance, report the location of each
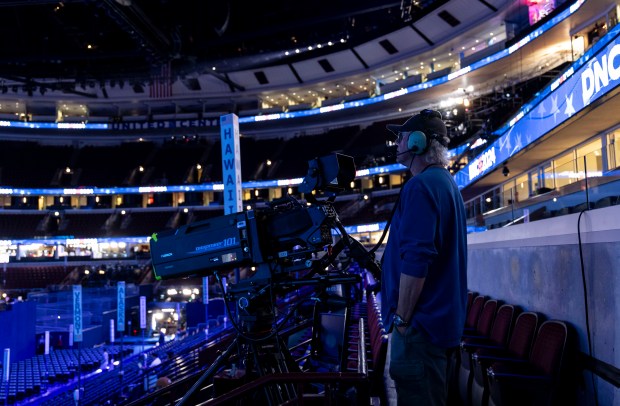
(418, 142)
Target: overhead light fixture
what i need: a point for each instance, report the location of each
(506, 171)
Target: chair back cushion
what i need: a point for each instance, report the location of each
(502, 324)
(523, 334)
(474, 311)
(548, 348)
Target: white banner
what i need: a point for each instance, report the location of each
(7, 364)
(143, 312)
(111, 331)
(205, 289)
(231, 163)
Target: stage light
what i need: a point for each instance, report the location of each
(505, 171)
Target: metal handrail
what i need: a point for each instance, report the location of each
(362, 366)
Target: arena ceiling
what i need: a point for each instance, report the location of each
(102, 59)
(105, 40)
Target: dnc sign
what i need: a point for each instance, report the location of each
(595, 74)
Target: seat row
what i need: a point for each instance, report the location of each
(508, 356)
(32, 376)
(376, 341)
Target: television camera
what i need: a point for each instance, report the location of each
(289, 243)
(284, 238)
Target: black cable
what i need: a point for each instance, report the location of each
(585, 300)
(387, 225)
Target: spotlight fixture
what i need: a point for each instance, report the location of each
(505, 171)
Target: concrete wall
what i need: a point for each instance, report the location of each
(537, 266)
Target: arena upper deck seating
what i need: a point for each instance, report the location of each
(111, 165)
(254, 156)
(34, 276)
(29, 164)
(171, 163)
(145, 222)
(82, 225)
(22, 225)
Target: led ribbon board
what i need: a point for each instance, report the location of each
(598, 74)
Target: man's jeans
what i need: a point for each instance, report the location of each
(418, 369)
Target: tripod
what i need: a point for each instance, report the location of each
(263, 353)
(259, 356)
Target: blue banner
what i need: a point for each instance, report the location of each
(77, 313)
(120, 308)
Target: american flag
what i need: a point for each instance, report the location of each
(161, 82)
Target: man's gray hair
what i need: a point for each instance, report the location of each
(437, 153)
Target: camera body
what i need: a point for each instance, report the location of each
(285, 234)
(281, 238)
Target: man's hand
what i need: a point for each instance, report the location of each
(402, 330)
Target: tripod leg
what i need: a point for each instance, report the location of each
(209, 372)
(272, 358)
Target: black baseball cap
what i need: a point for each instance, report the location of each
(427, 121)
